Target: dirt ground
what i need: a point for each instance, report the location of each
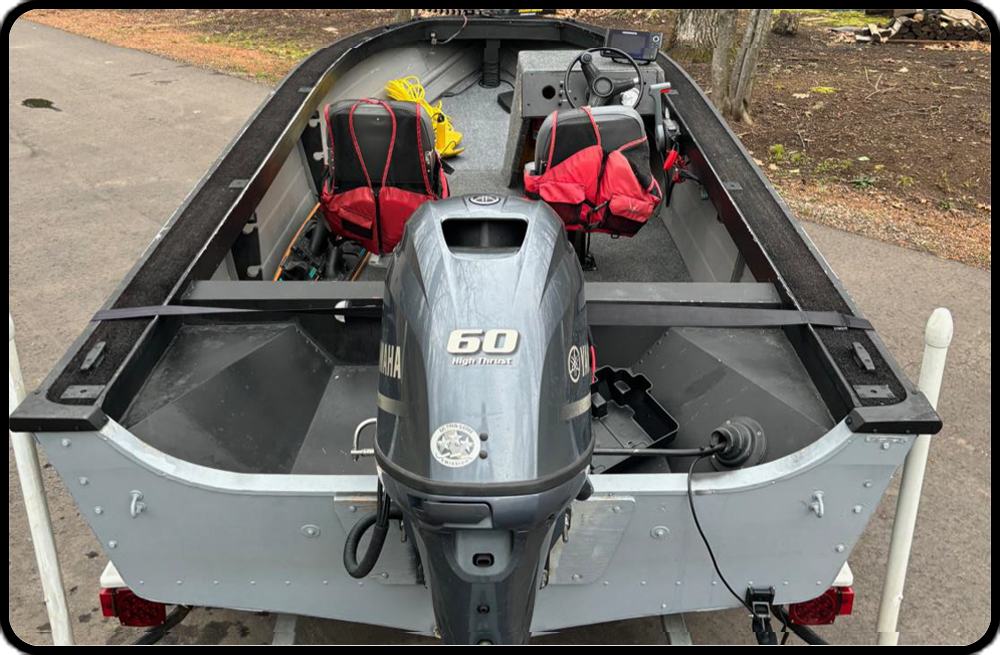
(259, 44)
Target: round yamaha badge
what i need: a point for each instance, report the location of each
(455, 445)
(485, 201)
(576, 364)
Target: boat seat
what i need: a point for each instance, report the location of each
(592, 167)
(381, 166)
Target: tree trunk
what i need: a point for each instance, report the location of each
(695, 29)
(722, 56)
(402, 15)
(744, 74)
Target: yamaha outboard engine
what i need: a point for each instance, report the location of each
(484, 436)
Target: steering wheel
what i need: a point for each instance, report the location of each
(601, 89)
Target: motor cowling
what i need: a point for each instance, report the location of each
(484, 437)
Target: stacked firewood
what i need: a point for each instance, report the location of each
(929, 25)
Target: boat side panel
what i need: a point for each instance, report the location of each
(274, 543)
(708, 250)
(287, 203)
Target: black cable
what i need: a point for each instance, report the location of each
(476, 82)
(454, 36)
(379, 520)
(455, 94)
(708, 546)
(802, 632)
(785, 634)
(157, 634)
(656, 452)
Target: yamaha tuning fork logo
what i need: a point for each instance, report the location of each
(578, 364)
(485, 201)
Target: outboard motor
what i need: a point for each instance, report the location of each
(484, 436)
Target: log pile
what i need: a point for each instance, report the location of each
(929, 25)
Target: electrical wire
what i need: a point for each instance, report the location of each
(785, 633)
(658, 452)
(802, 632)
(704, 538)
(157, 634)
(472, 85)
(361, 267)
(465, 23)
(455, 94)
(281, 269)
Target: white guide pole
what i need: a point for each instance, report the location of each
(940, 332)
(35, 504)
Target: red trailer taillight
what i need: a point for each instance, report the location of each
(824, 610)
(132, 611)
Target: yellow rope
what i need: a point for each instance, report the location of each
(409, 89)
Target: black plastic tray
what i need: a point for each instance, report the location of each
(626, 416)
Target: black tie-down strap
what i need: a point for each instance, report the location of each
(370, 310)
(681, 316)
(598, 314)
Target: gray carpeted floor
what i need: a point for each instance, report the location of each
(483, 123)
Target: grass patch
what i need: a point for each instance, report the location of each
(863, 182)
(260, 41)
(834, 166)
(830, 18)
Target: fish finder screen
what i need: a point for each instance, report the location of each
(633, 44)
(641, 46)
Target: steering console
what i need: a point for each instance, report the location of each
(602, 89)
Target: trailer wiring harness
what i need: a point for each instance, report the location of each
(726, 442)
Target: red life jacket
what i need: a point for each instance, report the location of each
(374, 212)
(596, 190)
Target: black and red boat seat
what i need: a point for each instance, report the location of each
(381, 167)
(592, 167)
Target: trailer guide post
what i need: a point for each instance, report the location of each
(940, 331)
(37, 508)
